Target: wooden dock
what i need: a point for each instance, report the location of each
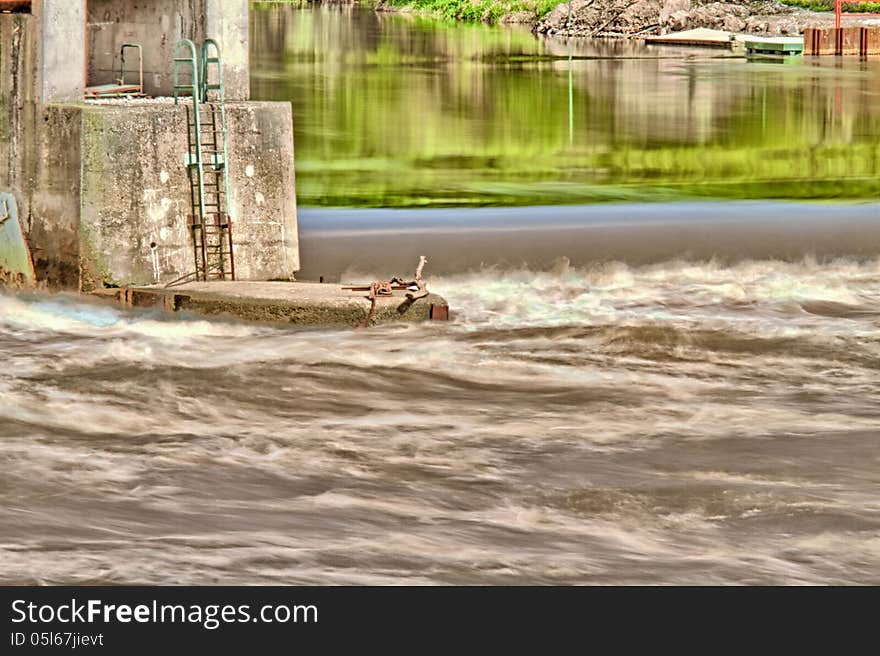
(849, 41)
(698, 37)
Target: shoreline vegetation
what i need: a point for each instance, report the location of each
(413, 112)
(630, 18)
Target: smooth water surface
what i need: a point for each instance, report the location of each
(400, 111)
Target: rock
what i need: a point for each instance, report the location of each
(678, 20)
(673, 7)
(734, 24)
(632, 17)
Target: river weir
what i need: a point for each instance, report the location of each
(678, 389)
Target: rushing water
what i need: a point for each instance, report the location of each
(684, 423)
(701, 420)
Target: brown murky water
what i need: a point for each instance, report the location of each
(673, 419)
(674, 423)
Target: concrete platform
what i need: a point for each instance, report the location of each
(779, 45)
(698, 37)
(299, 303)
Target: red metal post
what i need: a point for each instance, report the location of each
(838, 8)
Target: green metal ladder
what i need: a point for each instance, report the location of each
(206, 157)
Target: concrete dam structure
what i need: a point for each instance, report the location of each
(124, 172)
(102, 189)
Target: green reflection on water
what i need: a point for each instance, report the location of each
(393, 111)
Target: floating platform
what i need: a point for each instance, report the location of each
(698, 37)
(776, 46)
(754, 45)
(298, 303)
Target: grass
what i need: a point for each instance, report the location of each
(469, 11)
(486, 11)
(828, 5)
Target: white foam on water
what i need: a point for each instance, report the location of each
(615, 423)
(617, 292)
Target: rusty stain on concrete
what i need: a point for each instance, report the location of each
(297, 303)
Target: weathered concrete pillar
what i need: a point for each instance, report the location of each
(39, 144)
(227, 22)
(63, 51)
(136, 199)
(102, 191)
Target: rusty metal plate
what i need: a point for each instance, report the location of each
(16, 265)
(15, 6)
(849, 40)
(870, 41)
(439, 312)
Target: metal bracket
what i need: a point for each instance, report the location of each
(16, 263)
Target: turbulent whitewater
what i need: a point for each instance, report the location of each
(685, 422)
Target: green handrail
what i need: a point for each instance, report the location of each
(205, 60)
(189, 48)
(191, 60)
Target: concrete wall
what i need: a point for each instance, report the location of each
(97, 185)
(19, 60)
(136, 198)
(52, 196)
(75, 43)
(63, 51)
(39, 153)
(158, 25)
(227, 22)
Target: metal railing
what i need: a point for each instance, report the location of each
(839, 13)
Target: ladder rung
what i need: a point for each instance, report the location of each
(210, 223)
